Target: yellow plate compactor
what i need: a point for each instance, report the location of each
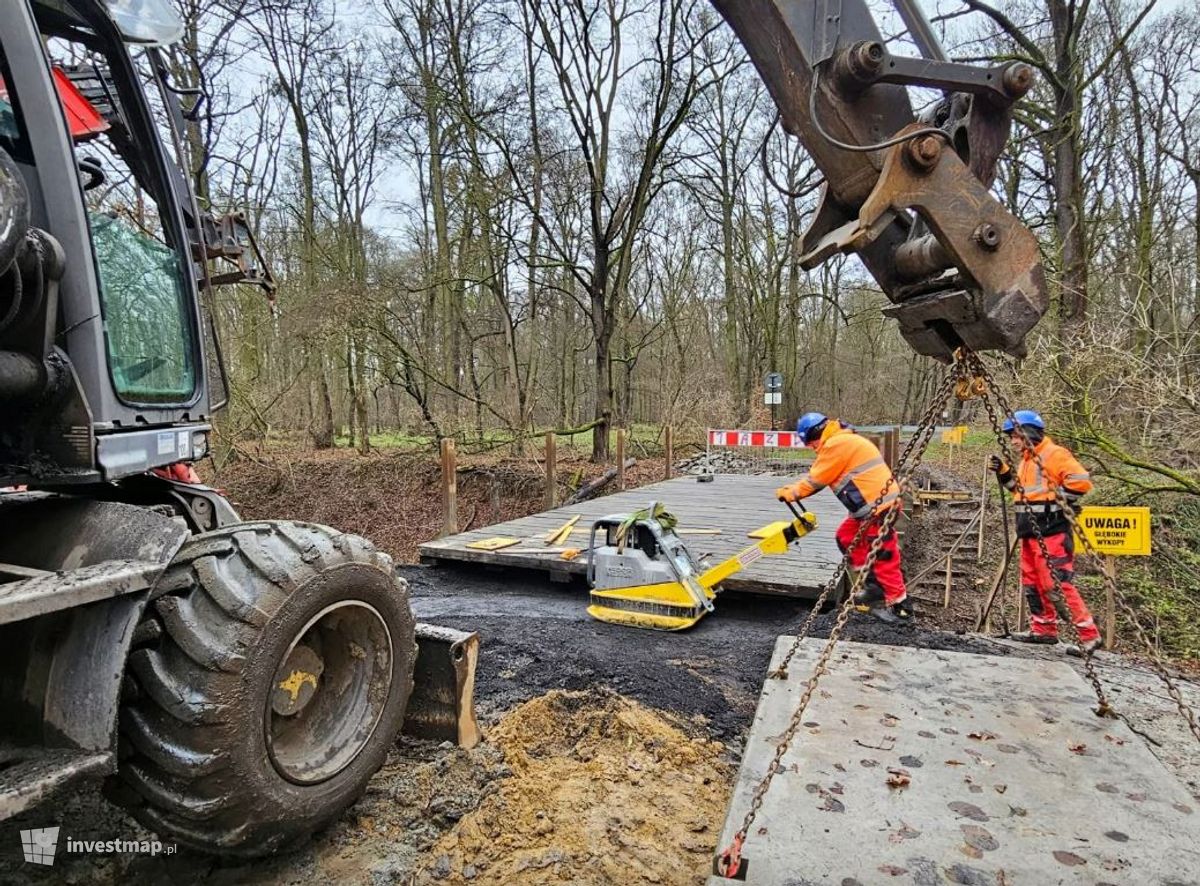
(642, 574)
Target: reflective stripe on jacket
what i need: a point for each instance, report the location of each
(1031, 486)
(852, 467)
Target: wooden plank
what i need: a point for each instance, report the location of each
(494, 544)
(669, 447)
(734, 505)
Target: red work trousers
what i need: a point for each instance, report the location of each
(1037, 583)
(886, 572)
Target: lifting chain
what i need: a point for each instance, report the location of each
(728, 863)
(1158, 665)
(1103, 708)
(902, 473)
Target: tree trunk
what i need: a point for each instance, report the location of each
(1069, 214)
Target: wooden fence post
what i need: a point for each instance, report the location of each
(449, 488)
(551, 470)
(621, 459)
(1109, 565)
(669, 445)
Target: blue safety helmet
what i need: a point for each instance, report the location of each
(1024, 417)
(809, 425)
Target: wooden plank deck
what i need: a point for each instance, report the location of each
(732, 503)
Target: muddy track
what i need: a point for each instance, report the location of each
(538, 636)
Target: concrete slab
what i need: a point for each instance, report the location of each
(1013, 779)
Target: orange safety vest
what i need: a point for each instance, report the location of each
(1062, 471)
(853, 468)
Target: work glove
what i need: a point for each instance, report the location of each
(1002, 470)
(787, 493)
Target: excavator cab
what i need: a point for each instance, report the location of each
(248, 677)
(108, 354)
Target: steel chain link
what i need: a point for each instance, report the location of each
(1158, 665)
(918, 443)
(967, 375)
(901, 475)
(1103, 708)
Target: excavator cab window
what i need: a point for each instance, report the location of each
(12, 131)
(141, 258)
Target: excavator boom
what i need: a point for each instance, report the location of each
(910, 197)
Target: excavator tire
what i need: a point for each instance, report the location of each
(269, 676)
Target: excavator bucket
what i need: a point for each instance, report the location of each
(442, 704)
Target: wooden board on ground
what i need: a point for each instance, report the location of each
(919, 766)
(733, 504)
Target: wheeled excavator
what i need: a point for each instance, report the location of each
(237, 683)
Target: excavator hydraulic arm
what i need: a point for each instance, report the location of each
(910, 197)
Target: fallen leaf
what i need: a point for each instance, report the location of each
(980, 838)
(1000, 788)
(904, 832)
(892, 870)
(981, 736)
(833, 805)
(1114, 739)
(1068, 858)
(968, 810)
(955, 763)
(839, 767)
(1080, 748)
(898, 778)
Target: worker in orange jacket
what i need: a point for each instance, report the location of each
(852, 467)
(1038, 509)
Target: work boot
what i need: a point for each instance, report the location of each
(899, 614)
(870, 596)
(1031, 637)
(1084, 648)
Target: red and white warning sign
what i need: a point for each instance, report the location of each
(760, 439)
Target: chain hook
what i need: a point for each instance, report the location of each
(729, 862)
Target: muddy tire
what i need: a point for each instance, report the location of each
(269, 676)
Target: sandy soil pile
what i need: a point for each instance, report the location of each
(603, 791)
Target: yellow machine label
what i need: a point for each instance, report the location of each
(1119, 532)
(295, 682)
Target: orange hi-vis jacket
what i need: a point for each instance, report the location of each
(853, 468)
(1031, 485)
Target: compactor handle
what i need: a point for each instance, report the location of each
(796, 508)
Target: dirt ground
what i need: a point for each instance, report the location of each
(601, 785)
(632, 700)
(602, 742)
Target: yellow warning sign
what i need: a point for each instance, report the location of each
(954, 435)
(1119, 532)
